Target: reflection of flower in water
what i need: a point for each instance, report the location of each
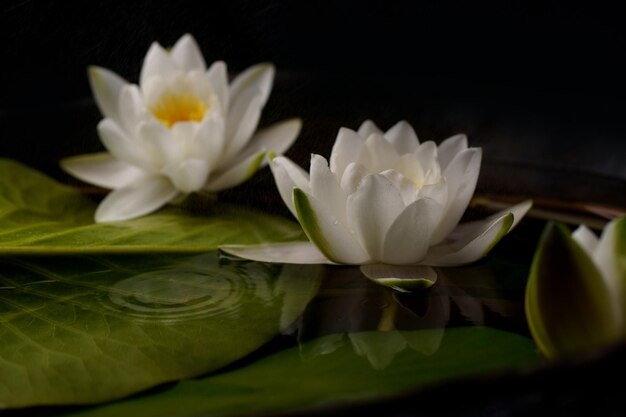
(380, 347)
(404, 321)
(205, 286)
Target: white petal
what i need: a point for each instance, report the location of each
(450, 147)
(352, 177)
(586, 239)
(188, 176)
(153, 90)
(371, 210)
(408, 238)
(325, 188)
(132, 108)
(464, 163)
(102, 169)
(121, 146)
(106, 87)
(259, 77)
(236, 174)
(471, 246)
(473, 228)
(187, 54)
(182, 83)
(200, 85)
(218, 77)
(184, 135)
(426, 156)
(401, 277)
(402, 137)
(157, 63)
(367, 128)
(136, 199)
(365, 158)
(330, 236)
(289, 176)
(159, 142)
(299, 176)
(408, 166)
(275, 139)
(208, 141)
(611, 260)
(383, 155)
(438, 192)
(347, 145)
(407, 188)
(242, 122)
(283, 253)
(461, 176)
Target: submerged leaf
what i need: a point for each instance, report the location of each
(89, 329)
(40, 216)
(568, 305)
(285, 381)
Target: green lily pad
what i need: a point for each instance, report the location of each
(568, 304)
(79, 330)
(40, 216)
(355, 369)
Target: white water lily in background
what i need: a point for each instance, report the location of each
(183, 129)
(388, 203)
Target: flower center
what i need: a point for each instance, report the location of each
(174, 108)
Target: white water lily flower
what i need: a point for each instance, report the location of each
(388, 203)
(183, 129)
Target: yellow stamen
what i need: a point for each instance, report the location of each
(174, 108)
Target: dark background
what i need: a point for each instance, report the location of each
(540, 87)
(527, 45)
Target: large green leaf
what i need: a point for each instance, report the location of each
(41, 216)
(295, 379)
(89, 329)
(568, 304)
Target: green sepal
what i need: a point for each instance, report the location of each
(310, 225)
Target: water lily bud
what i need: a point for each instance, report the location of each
(575, 296)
